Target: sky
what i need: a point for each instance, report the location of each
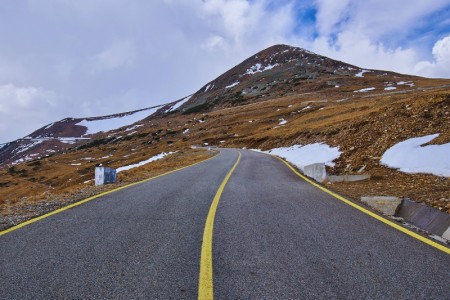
(65, 58)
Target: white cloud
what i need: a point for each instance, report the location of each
(120, 54)
(329, 14)
(374, 18)
(371, 33)
(213, 42)
(440, 67)
(112, 56)
(359, 50)
(24, 109)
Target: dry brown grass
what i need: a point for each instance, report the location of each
(25, 198)
(363, 125)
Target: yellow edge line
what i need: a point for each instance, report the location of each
(94, 197)
(368, 212)
(205, 282)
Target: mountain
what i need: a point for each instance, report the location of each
(277, 71)
(282, 96)
(61, 135)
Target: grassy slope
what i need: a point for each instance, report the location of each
(363, 125)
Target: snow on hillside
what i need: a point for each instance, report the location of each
(94, 126)
(49, 125)
(303, 155)
(259, 68)
(26, 146)
(232, 85)
(141, 163)
(411, 157)
(410, 83)
(70, 140)
(365, 90)
(361, 74)
(208, 86)
(179, 103)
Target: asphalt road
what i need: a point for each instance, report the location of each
(275, 237)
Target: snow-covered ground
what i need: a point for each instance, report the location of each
(70, 140)
(259, 68)
(365, 90)
(411, 157)
(25, 147)
(49, 125)
(179, 103)
(303, 155)
(117, 122)
(232, 85)
(134, 127)
(410, 83)
(141, 163)
(361, 74)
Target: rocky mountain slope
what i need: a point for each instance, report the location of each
(281, 96)
(63, 134)
(277, 71)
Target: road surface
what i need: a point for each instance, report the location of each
(275, 236)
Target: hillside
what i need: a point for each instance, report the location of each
(281, 96)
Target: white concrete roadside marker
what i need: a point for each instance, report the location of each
(446, 234)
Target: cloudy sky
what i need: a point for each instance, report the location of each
(66, 58)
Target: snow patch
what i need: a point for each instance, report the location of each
(232, 85)
(70, 140)
(364, 90)
(282, 122)
(134, 127)
(410, 83)
(411, 157)
(361, 74)
(153, 158)
(49, 125)
(179, 103)
(23, 148)
(390, 88)
(259, 68)
(104, 125)
(303, 155)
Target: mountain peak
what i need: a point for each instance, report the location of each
(280, 48)
(261, 75)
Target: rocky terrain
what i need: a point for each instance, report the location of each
(280, 96)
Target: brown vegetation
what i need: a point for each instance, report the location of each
(363, 125)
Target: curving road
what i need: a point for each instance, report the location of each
(275, 237)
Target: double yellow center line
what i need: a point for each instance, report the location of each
(205, 283)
